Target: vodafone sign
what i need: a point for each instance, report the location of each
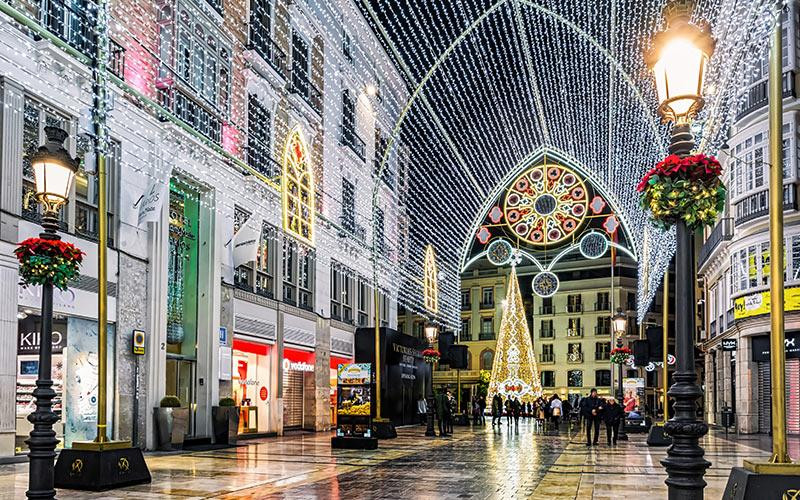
(296, 366)
(298, 361)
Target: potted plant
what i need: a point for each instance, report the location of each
(225, 419)
(172, 421)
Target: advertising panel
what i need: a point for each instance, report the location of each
(757, 304)
(632, 393)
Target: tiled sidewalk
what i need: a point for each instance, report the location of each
(476, 463)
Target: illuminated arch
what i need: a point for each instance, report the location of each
(430, 285)
(297, 186)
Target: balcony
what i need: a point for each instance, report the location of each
(72, 22)
(487, 305)
(349, 228)
(723, 231)
(190, 111)
(349, 138)
(575, 357)
(547, 357)
(486, 336)
(302, 86)
(602, 330)
(546, 333)
(265, 46)
(575, 332)
(757, 96)
(602, 356)
(574, 308)
(546, 309)
(757, 204)
(602, 306)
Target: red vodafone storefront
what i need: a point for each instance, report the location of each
(298, 365)
(251, 383)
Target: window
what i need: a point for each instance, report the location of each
(574, 353)
(348, 206)
(379, 231)
(243, 274)
(298, 189)
(465, 331)
(35, 118)
(602, 351)
(430, 281)
(348, 135)
(347, 49)
(86, 196)
(546, 331)
(259, 138)
(363, 302)
(300, 67)
(547, 306)
(631, 302)
(298, 274)
(419, 329)
(487, 329)
(575, 378)
(487, 297)
(574, 303)
(487, 359)
(574, 328)
(603, 303)
(342, 290)
(547, 355)
(466, 303)
(602, 378)
(603, 326)
(548, 378)
(261, 35)
(383, 298)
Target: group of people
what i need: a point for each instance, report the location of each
(593, 409)
(552, 409)
(444, 410)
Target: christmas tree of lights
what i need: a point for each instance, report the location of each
(514, 371)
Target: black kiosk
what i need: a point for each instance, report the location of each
(354, 407)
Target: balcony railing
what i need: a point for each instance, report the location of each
(575, 332)
(756, 205)
(302, 86)
(466, 306)
(465, 336)
(487, 305)
(349, 138)
(73, 22)
(574, 308)
(349, 228)
(188, 110)
(575, 357)
(602, 306)
(546, 333)
(546, 309)
(486, 336)
(116, 59)
(546, 357)
(602, 356)
(602, 330)
(723, 231)
(757, 95)
(266, 47)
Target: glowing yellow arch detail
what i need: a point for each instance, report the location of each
(297, 188)
(430, 284)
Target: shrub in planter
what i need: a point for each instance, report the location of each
(172, 422)
(225, 419)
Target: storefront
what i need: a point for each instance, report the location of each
(761, 355)
(298, 372)
(252, 364)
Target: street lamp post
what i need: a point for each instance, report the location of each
(431, 334)
(54, 170)
(620, 322)
(678, 59)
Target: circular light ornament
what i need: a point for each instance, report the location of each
(546, 205)
(499, 252)
(545, 284)
(593, 245)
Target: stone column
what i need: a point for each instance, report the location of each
(322, 376)
(8, 349)
(132, 382)
(746, 388)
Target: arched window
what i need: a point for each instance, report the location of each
(487, 359)
(297, 184)
(430, 286)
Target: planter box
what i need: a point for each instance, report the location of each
(225, 420)
(171, 427)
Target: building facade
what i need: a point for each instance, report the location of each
(259, 118)
(734, 260)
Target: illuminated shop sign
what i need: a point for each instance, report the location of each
(298, 361)
(297, 366)
(757, 304)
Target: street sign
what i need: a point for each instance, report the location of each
(223, 335)
(729, 344)
(138, 342)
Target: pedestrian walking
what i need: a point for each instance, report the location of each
(591, 410)
(442, 407)
(556, 410)
(497, 409)
(613, 416)
(451, 412)
(516, 408)
(482, 405)
(509, 411)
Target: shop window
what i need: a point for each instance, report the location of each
(575, 378)
(487, 359)
(602, 378)
(298, 274)
(548, 378)
(297, 185)
(182, 270)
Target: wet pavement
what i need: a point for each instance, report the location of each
(475, 463)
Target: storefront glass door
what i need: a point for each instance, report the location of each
(180, 383)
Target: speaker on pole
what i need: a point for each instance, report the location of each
(641, 353)
(458, 357)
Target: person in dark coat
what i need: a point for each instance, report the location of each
(497, 409)
(613, 415)
(516, 408)
(442, 409)
(591, 411)
(482, 405)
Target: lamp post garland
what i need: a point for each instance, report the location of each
(431, 334)
(678, 59)
(48, 262)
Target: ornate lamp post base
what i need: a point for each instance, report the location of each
(101, 466)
